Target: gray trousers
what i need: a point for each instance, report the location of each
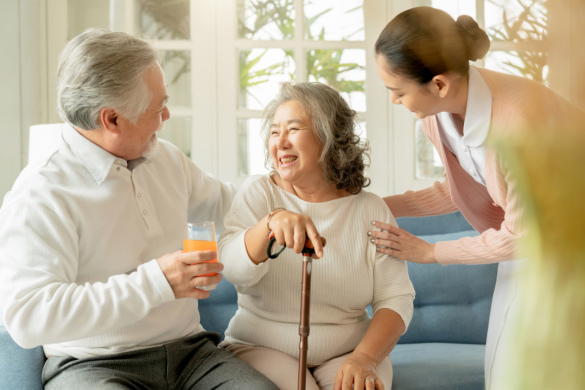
(193, 362)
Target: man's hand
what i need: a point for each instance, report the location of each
(182, 271)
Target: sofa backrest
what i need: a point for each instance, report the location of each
(452, 303)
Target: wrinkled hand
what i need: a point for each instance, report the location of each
(293, 229)
(182, 271)
(399, 243)
(356, 371)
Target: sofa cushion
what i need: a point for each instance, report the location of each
(217, 310)
(438, 224)
(438, 366)
(452, 303)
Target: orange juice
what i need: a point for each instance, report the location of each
(199, 245)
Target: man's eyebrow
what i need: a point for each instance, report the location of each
(392, 89)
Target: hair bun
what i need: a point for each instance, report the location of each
(476, 40)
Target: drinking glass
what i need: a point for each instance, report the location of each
(200, 236)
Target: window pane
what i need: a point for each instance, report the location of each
(83, 14)
(261, 72)
(334, 20)
(428, 162)
(343, 70)
(177, 67)
(177, 130)
(266, 19)
(516, 20)
(251, 148)
(532, 65)
(164, 19)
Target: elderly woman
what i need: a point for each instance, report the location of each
(315, 189)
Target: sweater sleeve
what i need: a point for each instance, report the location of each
(435, 200)
(250, 205)
(40, 300)
(392, 287)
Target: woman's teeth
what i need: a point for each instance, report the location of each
(288, 160)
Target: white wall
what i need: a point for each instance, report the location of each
(21, 95)
(10, 97)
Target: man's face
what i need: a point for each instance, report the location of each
(138, 139)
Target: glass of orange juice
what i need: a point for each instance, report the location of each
(200, 236)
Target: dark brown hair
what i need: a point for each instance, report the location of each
(423, 42)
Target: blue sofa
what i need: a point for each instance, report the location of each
(442, 349)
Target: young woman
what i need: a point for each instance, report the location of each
(422, 56)
(316, 188)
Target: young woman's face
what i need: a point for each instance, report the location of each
(419, 99)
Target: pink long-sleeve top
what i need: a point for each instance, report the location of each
(494, 210)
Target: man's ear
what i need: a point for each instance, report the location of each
(109, 118)
(441, 85)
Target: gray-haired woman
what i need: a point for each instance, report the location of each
(315, 189)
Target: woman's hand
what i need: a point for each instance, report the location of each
(401, 244)
(358, 370)
(293, 229)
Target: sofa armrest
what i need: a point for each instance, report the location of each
(19, 368)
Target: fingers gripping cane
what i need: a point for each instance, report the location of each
(304, 329)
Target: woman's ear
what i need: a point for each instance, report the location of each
(441, 85)
(109, 119)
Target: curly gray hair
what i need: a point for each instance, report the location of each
(344, 157)
(100, 68)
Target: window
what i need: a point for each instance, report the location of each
(224, 60)
(263, 43)
(269, 42)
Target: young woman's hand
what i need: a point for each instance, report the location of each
(399, 243)
(292, 229)
(358, 372)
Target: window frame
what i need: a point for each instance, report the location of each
(214, 85)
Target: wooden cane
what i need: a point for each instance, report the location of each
(304, 328)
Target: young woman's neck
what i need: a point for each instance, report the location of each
(458, 103)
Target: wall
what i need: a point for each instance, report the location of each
(20, 96)
(567, 51)
(9, 96)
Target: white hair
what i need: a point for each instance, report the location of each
(100, 68)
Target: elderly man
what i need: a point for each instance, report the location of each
(90, 236)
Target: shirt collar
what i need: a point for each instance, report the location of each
(97, 160)
(477, 114)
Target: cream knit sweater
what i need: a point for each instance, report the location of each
(350, 276)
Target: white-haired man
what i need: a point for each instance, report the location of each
(90, 236)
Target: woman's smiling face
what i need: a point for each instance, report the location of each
(292, 145)
(407, 92)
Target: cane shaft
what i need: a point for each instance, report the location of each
(304, 328)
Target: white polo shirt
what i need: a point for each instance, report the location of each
(80, 233)
(470, 149)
